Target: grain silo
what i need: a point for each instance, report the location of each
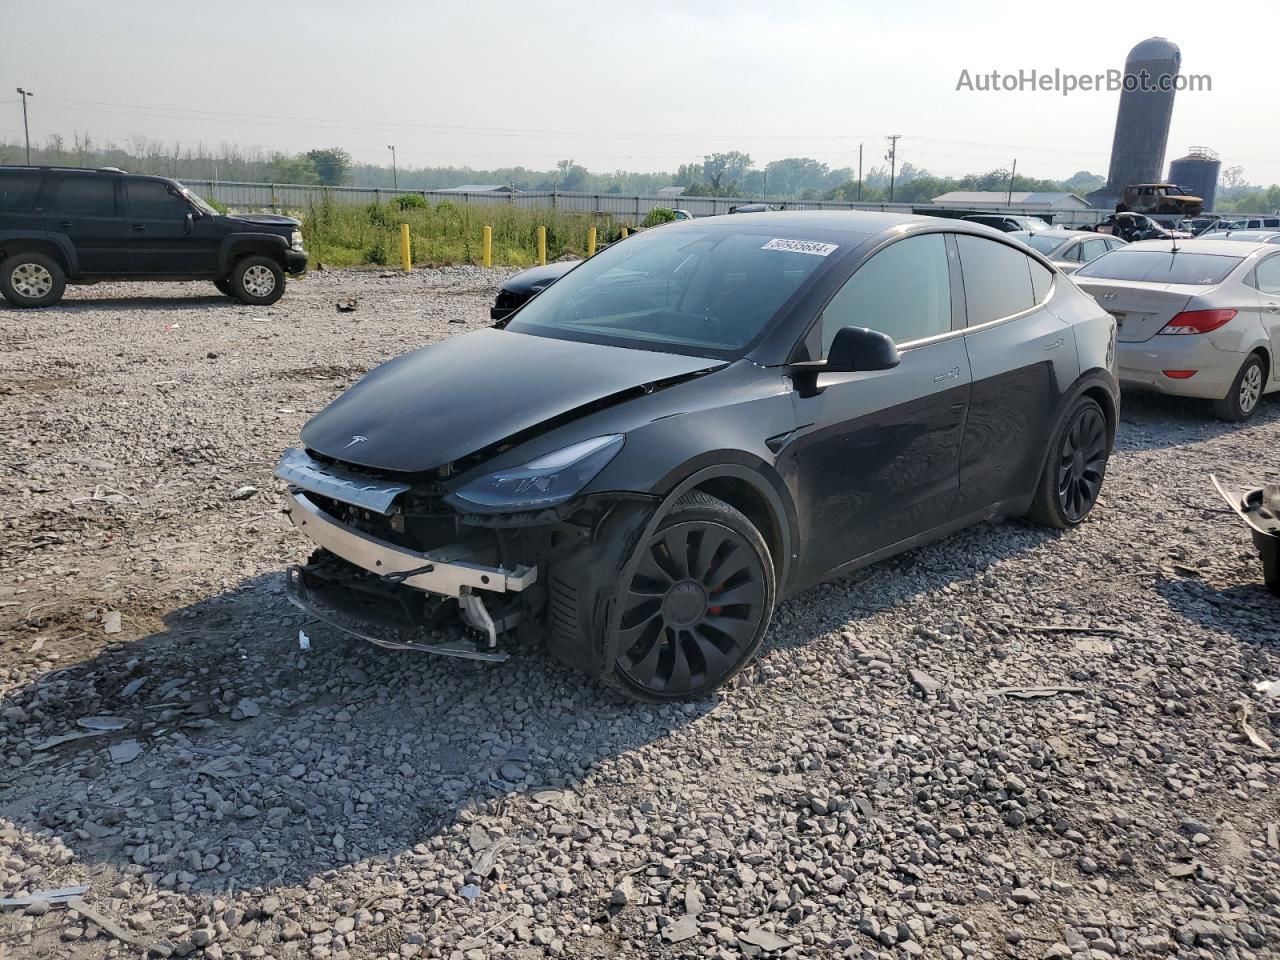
(1197, 173)
(1142, 122)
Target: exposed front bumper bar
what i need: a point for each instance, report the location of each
(448, 571)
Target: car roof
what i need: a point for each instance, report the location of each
(1058, 232)
(1221, 248)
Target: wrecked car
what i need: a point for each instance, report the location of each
(520, 288)
(1259, 508)
(642, 461)
(1159, 198)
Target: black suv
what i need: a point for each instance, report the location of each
(69, 225)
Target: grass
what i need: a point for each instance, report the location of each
(445, 233)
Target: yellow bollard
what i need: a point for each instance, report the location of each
(625, 231)
(488, 246)
(405, 253)
(591, 242)
(542, 246)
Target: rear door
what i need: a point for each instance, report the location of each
(163, 239)
(19, 212)
(1267, 280)
(88, 209)
(1023, 360)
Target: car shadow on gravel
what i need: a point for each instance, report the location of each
(1154, 421)
(1249, 612)
(248, 761)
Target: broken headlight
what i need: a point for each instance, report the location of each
(545, 482)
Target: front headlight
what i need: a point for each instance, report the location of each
(296, 240)
(540, 483)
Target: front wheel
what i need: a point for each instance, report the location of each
(257, 281)
(697, 607)
(1246, 390)
(32, 280)
(1073, 474)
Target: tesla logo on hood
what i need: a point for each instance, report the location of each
(356, 439)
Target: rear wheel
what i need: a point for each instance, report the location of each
(1075, 469)
(257, 281)
(696, 610)
(32, 280)
(1246, 390)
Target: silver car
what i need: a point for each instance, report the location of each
(1197, 318)
(1251, 236)
(1068, 249)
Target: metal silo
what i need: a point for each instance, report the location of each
(1197, 172)
(1142, 122)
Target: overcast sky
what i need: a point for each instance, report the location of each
(637, 86)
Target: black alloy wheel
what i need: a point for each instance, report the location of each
(1082, 462)
(697, 608)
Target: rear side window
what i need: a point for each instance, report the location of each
(1041, 279)
(1161, 266)
(904, 291)
(997, 279)
(1092, 249)
(18, 189)
(1268, 276)
(90, 196)
(152, 200)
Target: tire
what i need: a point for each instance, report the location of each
(32, 280)
(673, 642)
(1243, 397)
(257, 281)
(1074, 468)
(224, 286)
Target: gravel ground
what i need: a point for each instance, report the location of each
(879, 784)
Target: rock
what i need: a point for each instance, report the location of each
(681, 930)
(766, 941)
(923, 682)
(243, 493)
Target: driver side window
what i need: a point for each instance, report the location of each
(904, 291)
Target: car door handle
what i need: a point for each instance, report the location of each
(1055, 345)
(139, 227)
(65, 223)
(952, 374)
(1273, 307)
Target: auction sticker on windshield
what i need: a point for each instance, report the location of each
(802, 246)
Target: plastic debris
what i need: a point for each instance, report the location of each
(1268, 688)
(111, 621)
(104, 724)
(304, 642)
(469, 892)
(244, 493)
(60, 895)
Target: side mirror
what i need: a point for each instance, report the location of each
(857, 348)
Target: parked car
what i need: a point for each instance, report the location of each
(61, 225)
(1006, 222)
(695, 424)
(1068, 250)
(1250, 236)
(519, 288)
(752, 208)
(1244, 223)
(1159, 198)
(1132, 227)
(1199, 318)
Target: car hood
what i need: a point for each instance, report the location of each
(537, 278)
(265, 219)
(468, 393)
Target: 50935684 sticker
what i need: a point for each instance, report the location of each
(802, 246)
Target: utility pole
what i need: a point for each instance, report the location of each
(1012, 173)
(395, 178)
(25, 129)
(893, 139)
(859, 173)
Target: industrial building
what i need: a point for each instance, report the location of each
(1197, 174)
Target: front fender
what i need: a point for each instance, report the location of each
(237, 244)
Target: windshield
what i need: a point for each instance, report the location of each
(707, 290)
(1161, 266)
(1042, 244)
(197, 201)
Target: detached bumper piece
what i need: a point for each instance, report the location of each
(1260, 509)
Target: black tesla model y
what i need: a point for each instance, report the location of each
(640, 462)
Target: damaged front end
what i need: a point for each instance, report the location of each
(1260, 509)
(397, 561)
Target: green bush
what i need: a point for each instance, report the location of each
(377, 253)
(410, 201)
(377, 214)
(658, 215)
